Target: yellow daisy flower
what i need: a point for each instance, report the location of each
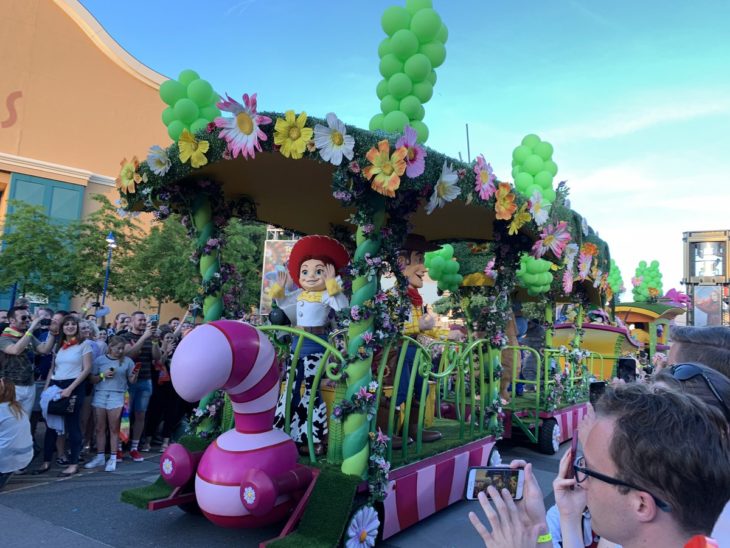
(192, 149)
(291, 135)
(128, 175)
(518, 221)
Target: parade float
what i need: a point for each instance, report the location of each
(389, 201)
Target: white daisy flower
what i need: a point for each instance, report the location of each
(332, 140)
(158, 160)
(539, 211)
(167, 466)
(249, 495)
(446, 190)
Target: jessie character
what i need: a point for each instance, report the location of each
(313, 265)
(411, 264)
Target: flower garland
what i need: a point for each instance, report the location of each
(378, 467)
(362, 402)
(211, 413)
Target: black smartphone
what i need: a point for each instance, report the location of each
(595, 391)
(626, 369)
(45, 322)
(573, 453)
(479, 478)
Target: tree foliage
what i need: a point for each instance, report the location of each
(244, 249)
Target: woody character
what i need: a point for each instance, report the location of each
(313, 265)
(411, 264)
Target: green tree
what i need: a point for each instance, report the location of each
(244, 249)
(35, 251)
(86, 266)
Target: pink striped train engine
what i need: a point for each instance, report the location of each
(247, 477)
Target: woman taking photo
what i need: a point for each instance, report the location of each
(72, 366)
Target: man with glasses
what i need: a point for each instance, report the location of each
(655, 470)
(709, 346)
(17, 344)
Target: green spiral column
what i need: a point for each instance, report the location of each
(209, 264)
(356, 444)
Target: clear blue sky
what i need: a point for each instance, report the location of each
(634, 95)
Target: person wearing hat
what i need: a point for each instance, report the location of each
(411, 264)
(313, 265)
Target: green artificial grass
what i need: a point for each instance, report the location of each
(327, 513)
(140, 496)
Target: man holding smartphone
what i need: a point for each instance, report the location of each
(143, 352)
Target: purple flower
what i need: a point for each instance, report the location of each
(355, 312)
(337, 411)
(381, 297)
(212, 242)
(382, 438)
(416, 157)
(354, 167)
(367, 337)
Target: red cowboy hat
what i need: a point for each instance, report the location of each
(316, 247)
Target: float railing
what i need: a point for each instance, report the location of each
(480, 359)
(529, 423)
(449, 356)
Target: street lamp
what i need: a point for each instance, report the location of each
(111, 243)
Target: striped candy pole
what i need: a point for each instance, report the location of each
(209, 262)
(356, 444)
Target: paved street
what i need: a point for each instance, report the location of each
(85, 511)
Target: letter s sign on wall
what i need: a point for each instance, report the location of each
(12, 113)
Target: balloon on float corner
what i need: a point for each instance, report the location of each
(548, 195)
(530, 140)
(432, 77)
(187, 76)
(168, 115)
(186, 110)
(199, 91)
(423, 90)
(381, 89)
(421, 114)
(403, 44)
(384, 47)
(544, 150)
(394, 19)
(376, 122)
(532, 164)
(395, 121)
(390, 65)
(388, 104)
(171, 91)
(414, 5)
(544, 179)
(197, 125)
(421, 130)
(523, 181)
(175, 129)
(210, 112)
(435, 51)
(399, 85)
(520, 153)
(443, 34)
(551, 167)
(425, 24)
(418, 68)
(411, 107)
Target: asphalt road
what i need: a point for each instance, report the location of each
(85, 511)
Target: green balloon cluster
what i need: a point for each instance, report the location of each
(443, 269)
(534, 275)
(533, 168)
(408, 56)
(651, 282)
(191, 104)
(615, 280)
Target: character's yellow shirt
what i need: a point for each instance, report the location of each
(412, 327)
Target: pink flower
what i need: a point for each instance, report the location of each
(243, 132)
(367, 337)
(568, 281)
(382, 438)
(636, 281)
(354, 167)
(552, 238)
(416, 157)
(584, 265)
(485, 178)
(489, 271)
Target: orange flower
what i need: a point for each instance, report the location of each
(128, 176)
(505, 206)
(385, 169)
(589, 249)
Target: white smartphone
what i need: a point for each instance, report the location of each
(479, 478)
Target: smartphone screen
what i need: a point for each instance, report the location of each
(626, 369)
(478, 479)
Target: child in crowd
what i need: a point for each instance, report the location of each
(112, 372)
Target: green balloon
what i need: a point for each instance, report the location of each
(399, 85)
(515, 171)
(384, 47)
(197, 125)
(410, 106)
(414, 5)
(394, 19)
(214, 98)
(548, 195)
(210, 113)
(523, 181)
(187, 76)
(452, 267)
(390, 65)
(421, 130)
(642, 264)
(376, 122)
(544, 179)
(418, 68)
(423, 90)
(171, 91)
(532, 164)
(544, 150)
(175, 128)
(395, 121)
(404, 44)
(432, 77)
(521, 153)
(168, 115)
(532, 189)
(443, 34)
(186, 110)
(199, 91)
(654, 264)
(421, 112)
(530, 140)
(435, 51)
(425, 24)
(382, 89)
(551, 167)
(388, 104)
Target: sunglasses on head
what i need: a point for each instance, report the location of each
(686, 371)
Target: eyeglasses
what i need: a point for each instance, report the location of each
(581, 473)
(686, 371)
(24, 318)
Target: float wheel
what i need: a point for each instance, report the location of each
(548, 440)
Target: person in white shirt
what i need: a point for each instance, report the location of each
(16, 443)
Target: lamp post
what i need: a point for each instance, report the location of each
(111, 243)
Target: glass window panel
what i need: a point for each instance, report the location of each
(708, 259)
(29, 191)
(65, 204)
(708, 305)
